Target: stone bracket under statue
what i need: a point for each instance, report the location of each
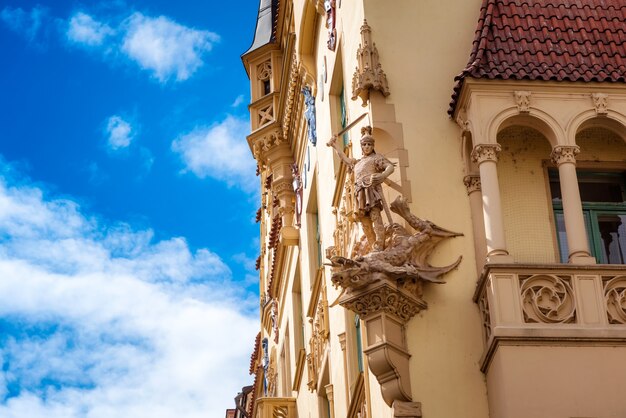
(385, 289)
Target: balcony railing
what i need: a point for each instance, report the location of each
(560, 303)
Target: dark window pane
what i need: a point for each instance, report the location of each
(613, 236)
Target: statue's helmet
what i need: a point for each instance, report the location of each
(366, 135)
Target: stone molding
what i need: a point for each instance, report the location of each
(564, 154)
(486, 152)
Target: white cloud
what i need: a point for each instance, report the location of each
(219, 151)
(84, 29)
(239, 100)
(164, 47)
(29, 24)
(119, 133)
(100, 321)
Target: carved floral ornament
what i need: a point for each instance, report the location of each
(564, 154)
(264, 71)
(615, 298)
(472, 183)
(265, 143)
(600, 103)
(548, 299)
(522, 100)
(486, 152)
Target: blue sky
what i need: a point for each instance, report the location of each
(127, 203)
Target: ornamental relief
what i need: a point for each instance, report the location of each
(486, 152)
(615, 298)
(564, 154)
(548, 299)
(319, 340)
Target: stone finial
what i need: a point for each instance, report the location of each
(369, 73)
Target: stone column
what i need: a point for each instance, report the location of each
(472, 183)
(564, 156)
(486, 156)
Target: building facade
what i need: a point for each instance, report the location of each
(470, 261)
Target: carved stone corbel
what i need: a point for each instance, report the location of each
(600, 103)
(385, 289)
(522, 100)
(369, 73)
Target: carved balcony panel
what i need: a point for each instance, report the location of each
(276, 408)
(542, 304)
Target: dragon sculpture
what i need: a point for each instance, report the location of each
(404, 257)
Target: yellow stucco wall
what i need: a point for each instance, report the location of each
(528, 221)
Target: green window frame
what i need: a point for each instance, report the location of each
(605, 221)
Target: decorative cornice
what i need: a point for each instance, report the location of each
(564, 154)
(294, 81)
(522, 100)
(264, 143)
(486, 152)
(387, 299)
(472, 183)
(600, 103)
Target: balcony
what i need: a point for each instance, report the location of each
(276, 408)
(557, 304)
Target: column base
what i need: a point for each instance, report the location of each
(581, 259)
(499, 259)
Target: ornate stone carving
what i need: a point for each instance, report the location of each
(615, 297)
(266, 115)
(600, 103)
(265, 143)
(483, 306)
(319, 340)
(462, 121)
(280, 412)
(330, 10)
(369, 73)
(264, 71)
(385, 288)
(522, 100)
(564, 154)
(547, 299)
(369, 171)
(298, 191)
(472, 183)
(309, 114)
(294, 82)
(384, 299)
(486, 152)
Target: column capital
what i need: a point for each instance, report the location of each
(486, 152)
(564, 154)
(472, 183)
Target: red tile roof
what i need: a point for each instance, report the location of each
(574, 40)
